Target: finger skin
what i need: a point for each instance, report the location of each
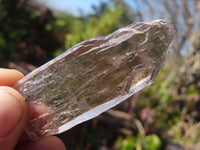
(15, 94)
(8, 77)
(48, 143)
(8, 141)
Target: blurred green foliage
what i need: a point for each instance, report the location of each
(26, 33)
(150, 142)
(106, 19)
(159, 98)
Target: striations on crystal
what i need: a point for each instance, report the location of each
(93, 76)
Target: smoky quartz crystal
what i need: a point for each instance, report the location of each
(93, 76)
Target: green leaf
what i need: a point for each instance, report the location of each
(152, 142)
(192, 90)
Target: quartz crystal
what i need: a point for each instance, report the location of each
(93, 76)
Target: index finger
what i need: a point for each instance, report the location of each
(8, 77)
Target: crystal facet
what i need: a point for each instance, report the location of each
(94, 75)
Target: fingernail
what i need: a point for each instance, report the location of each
(10, 113)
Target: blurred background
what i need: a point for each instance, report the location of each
(164, 116)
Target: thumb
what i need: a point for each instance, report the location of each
(12, 117)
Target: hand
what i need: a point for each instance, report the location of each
(13, 116)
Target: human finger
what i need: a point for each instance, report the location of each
(8, 77)
(12, 117)
(47, 143)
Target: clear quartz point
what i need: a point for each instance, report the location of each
(94, 76)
